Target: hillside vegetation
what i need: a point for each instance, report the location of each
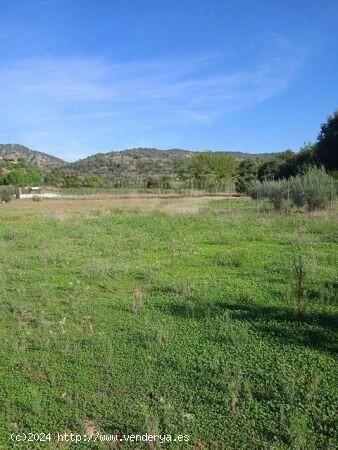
(177, 169)
(131, 163)
(16, 152)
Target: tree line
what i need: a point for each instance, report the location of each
(216, 171)
(20, 173)
(321, 154)
(207, 171)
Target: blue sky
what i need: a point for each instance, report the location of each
(82, 76)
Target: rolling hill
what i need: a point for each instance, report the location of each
(14, 152)
(140, 162)
(130, 163)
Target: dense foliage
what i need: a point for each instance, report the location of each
(327, 145)
(286, 165)
(246, 175)
(66, 179)
(20, 173)
(207, 170)
(313, 189)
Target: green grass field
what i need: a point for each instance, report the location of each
(137, 321)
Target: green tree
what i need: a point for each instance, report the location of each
(268, 170)
(22, 174)
(208, 170)
(71, 180)
(54, 178)
(94, 181)
(298, 163)
(246, 175)
(327, 143)
(288, 164)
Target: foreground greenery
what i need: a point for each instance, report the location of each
(182, 324)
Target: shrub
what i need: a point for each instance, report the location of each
(314, 188)
(95, 181)
(246, 175)
(158, 183)
(297, 193)
(274, 191)
(6, 193)
(318, 188)
(152, 183)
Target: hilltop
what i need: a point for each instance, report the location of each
(141, 161)
(130, 163)
(15, 152)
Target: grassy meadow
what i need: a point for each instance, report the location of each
(170, 316)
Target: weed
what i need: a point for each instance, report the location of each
(95, 268)
(301, 271)
(181, 289)
(231, 258)
(137, 302)
(161, 336)
(235, 390)
(299, 432)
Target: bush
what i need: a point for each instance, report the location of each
(95, 181)
(314, 189)
(209, 171)
(6, 193)
(274, 191)
(318, 188)
(246, 175)
(297, 193)
(152, 183)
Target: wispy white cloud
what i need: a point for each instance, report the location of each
(48, 101)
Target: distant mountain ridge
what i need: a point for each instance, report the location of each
(130, 163)
(134, 162)
(16, 151)
(138, 162)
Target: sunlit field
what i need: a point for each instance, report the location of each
(167, 316)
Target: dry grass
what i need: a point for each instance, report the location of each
(62, 209)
